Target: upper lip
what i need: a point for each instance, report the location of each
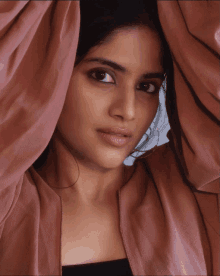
(117, 130)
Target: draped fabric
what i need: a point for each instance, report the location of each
(169, 210)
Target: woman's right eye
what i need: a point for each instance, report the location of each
(101, 76)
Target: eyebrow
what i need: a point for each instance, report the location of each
(120, 68)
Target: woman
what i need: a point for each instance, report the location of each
(159, 218)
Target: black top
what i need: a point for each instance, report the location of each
(119, 267)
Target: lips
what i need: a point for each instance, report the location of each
(122, 132)
(120, 135)
(116, 140)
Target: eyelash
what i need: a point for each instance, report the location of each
(105, 72)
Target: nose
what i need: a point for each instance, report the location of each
(124, 104)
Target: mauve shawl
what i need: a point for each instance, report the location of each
(169, 210)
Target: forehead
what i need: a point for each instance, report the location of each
(132, 48)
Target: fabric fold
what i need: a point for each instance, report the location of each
(195, 126)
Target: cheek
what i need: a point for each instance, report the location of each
(148, 111)
(80, 108)
(74, 103)
(71, 113)
(144, 117)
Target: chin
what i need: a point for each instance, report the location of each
(111, 163)
(107, 162)
(102, 158)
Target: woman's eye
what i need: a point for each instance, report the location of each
(148, 87)
(101, 76)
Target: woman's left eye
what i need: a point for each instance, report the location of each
(149, 87)
(101, 76)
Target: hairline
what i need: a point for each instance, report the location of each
(109, 36)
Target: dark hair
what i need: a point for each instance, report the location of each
(99, 20)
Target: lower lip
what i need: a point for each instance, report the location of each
(114, 140)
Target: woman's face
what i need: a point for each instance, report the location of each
(119, 95)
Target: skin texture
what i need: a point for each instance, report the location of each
(114, 101)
